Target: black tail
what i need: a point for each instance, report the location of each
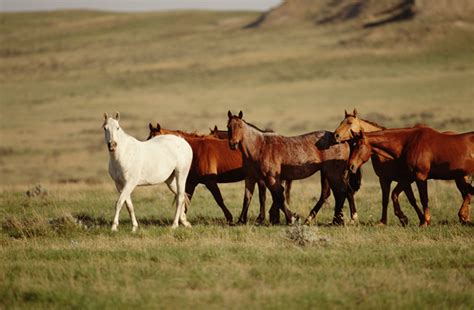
(354, 181)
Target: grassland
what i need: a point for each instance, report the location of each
(60, 71)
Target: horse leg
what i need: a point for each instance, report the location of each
(423, 190)
(464, 212)
(411, 198)
(216, 193)
(396, 205)
(177, 185)
(249, 188)
(340, 197)
(280, 199)
(385, 187)
(288, 184)
(190, 187)
(325, 193)
(352, 207)
(124, 195)
(131, 212)
(262, 196)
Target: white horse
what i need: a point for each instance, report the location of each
(132, 163)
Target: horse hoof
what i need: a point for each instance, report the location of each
(404, 221)
(134, 229)
(114, 229)
(381, 224)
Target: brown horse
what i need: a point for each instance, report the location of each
(222, 134)
(422, 154)
(219, 134)
(272, 158)
(213, 162)
(387, 169)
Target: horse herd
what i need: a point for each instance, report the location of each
(271, 161)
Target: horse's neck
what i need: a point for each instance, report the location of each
(251, 141)
(369, 127)
(388, 145)
(125, 148)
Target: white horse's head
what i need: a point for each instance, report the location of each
(111, 130)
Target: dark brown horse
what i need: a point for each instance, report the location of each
(423, 154)
(272, 158)
(213, 162)
(387, 169)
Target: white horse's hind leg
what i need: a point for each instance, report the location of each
(181, 197)
(124, 195)
(172, 185)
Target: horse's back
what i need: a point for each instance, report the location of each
(171, 148)
(447, 155)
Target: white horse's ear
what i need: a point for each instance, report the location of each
(241, 114)
(117, 116)
(150, 126)
(229, 114)
(105, 116)
(354, 112)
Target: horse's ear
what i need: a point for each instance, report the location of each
(241, 114)
(229, 114)
(354, 113)
(215, 128)
(117, 116)
(345, 113)
(105, 116)
(150, 126)
(158, 127)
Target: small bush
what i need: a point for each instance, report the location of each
(304, 235)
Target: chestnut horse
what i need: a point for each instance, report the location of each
(213, 162)
(423, 154)
(387, 169)
(272, 158)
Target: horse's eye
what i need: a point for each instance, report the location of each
(118, 128)
(105, 129)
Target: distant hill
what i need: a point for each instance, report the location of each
(364, 13)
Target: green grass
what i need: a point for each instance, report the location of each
(60, 71)
(49, 261)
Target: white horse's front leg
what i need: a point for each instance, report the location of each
(124, 195)
(131, 211)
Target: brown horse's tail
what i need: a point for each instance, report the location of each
(354, 180)
(287, 190)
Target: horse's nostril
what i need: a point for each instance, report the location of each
(352, 167)
(336, 135)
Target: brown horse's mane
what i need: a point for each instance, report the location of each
(373, 124)
(261, 130)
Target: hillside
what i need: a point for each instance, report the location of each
(365, 13)
(59, 71)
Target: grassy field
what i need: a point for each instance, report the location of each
(60, 71)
